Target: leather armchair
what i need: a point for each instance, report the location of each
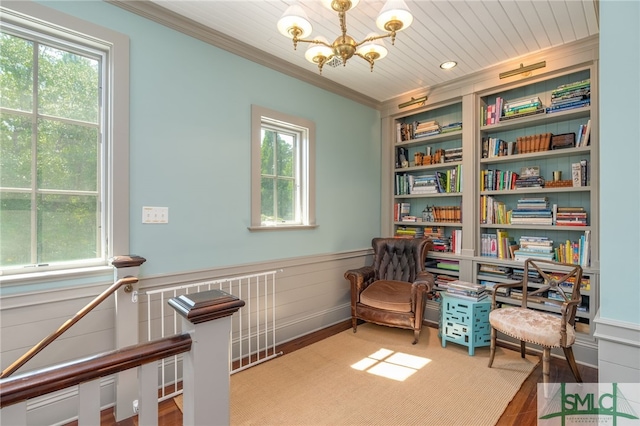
(393, 290)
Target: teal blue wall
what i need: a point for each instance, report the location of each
(620, 160)
(190, 151)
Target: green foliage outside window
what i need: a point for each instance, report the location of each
(278, 177)
(50, 154)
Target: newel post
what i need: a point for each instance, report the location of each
(126, 331)
(206, 380)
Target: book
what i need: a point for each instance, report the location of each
(587, 131)
(467, 297)
(584, 172)
(576, 174)
(405, 209)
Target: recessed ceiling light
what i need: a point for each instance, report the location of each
(448, 65)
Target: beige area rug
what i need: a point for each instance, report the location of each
(377, 377)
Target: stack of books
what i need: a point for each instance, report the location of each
(425, 128)
(571, 216)
(534, 276)
(522, 107)
(409, 232)
(495, 270)
(529, 182)
(451, 265)
(441, 244)
(452, 154)
(434, 232)
(570, 96)
(442, 281)
(423, 184)
(451, 127)
(532, 211)
(466, 290)
(534, 248)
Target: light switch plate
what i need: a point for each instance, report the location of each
(155, 214)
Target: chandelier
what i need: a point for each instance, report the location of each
(394, 16)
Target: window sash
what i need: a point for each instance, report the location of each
(56, 29)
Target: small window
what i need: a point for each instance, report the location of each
(283, 190)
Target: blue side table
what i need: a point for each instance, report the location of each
(465, 322)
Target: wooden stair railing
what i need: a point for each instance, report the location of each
(126, 281)
(40, 382)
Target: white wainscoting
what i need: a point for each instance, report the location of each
(618, 351)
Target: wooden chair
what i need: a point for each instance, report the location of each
(392, 291)
(549, 330)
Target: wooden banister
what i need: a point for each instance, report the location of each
(64, 327)
(50, 379)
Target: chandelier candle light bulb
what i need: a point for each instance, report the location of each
(394, 16)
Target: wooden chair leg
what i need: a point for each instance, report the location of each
(354, 323)
(416, 336)
(568, 354)
(522, 348)
(546, 358)
(492, 353)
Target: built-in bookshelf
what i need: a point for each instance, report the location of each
(428, 175)
(519, 197)
(539, 152)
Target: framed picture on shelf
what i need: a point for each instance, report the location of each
(530, 171)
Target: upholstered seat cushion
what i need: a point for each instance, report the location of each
(388, 295)
(531, 326)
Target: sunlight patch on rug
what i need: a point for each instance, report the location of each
(392, 365)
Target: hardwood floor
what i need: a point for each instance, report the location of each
(521, 411)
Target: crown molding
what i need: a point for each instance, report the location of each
(152, 11)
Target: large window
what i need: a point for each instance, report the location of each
(57, 147)
(283, 189)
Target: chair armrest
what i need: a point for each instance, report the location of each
(566, 309)
(425, 279)
(497, 286)
(360, 278)
(422, 285)
(568, 312)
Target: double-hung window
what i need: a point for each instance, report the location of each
(283, 153)
(57, 153)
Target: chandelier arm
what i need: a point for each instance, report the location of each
(370, 60)
(378, 37)
(312, 41)
(323, 60)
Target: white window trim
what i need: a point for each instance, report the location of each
(51, 21)
(257, 112)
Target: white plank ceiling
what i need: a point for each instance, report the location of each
(475, 33)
